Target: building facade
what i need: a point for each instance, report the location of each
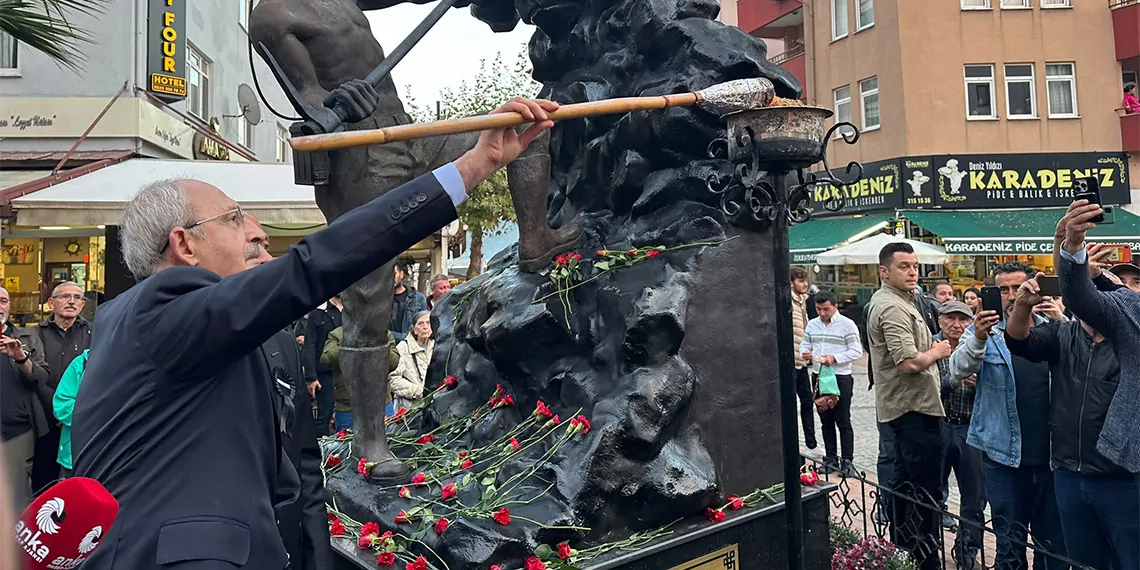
(47, 106)
(971, 112)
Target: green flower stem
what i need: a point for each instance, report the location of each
(601, 273)
(552, 527)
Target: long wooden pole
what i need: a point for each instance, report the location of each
(348, 139)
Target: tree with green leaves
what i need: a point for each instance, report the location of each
(43, 25)
(488, 207)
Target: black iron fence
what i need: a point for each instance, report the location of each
(935, 537)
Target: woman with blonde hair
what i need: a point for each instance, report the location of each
(407, 381)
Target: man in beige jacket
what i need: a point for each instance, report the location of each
(803, 310)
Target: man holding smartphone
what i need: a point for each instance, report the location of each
(1099, 501)
(1010, 425)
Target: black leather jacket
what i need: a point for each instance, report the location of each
(1084, 379)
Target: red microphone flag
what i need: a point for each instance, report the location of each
(62, 527)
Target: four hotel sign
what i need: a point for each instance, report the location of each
(166, 49)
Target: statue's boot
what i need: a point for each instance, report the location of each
(528, 178)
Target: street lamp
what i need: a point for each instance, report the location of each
(765, 146)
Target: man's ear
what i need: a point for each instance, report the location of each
(181, 248)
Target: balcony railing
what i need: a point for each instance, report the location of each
(795, 51)
(1130, 132)
(1114, 4)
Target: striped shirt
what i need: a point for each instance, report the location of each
(839, 338)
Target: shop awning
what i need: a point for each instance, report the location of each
(264, 190)
(814, 236)
(1017, 232)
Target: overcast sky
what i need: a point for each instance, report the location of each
(448, 54)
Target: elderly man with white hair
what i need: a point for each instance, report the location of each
(176, 415)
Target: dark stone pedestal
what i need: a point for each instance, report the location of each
(753, 539)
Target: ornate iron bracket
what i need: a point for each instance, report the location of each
(748, 185)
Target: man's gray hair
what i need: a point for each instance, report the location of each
(59, 288)
(438, 278)
(144, 232)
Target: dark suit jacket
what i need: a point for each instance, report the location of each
(319, 324)
(303, 523)
(39, 386)
(176, 415)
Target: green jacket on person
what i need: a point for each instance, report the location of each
(330, 356)
(64, 402)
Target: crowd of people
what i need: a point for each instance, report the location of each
(1031, 406)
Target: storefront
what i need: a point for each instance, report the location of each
(984, 209)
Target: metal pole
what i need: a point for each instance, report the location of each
(781, 267)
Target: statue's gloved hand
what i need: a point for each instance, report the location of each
(357, 99)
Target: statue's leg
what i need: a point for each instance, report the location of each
(358, 175)
(364, 362)
(528, 179)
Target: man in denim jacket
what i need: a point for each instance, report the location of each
(1010, 424)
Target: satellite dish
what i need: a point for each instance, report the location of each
(250, 106)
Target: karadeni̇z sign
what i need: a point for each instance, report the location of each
(166, 49)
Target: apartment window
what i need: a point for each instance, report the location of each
(1056, 3)
(869, 102)
(198, 76)
(244, 132)
(282, 144)
(838, 19)
(1061, 85)
(1020, 99)
(975, 4)
(842, 107)
(866, 15)
(243, 13)
(1014, 3)
(9, 55)
(1128, 77)
(980, 92)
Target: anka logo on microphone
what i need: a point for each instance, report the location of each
(50, 519)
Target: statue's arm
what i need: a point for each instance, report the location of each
(271, 24)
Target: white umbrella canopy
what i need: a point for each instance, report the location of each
(866, 252)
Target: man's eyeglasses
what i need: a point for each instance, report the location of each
(68, 297)
(238, 218)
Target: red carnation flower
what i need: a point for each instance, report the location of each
(332, 517)
(515, 444)
(714, 515)
(585, 423)
(736, 503)
(467, 464)
(499, 391)
(502, 516)
(574, 422)
(332, 461)
(384, 539)
(337, 528)
(463, 455)
(419, 564)
(451, 381)
(561, 260)
(533, 563)
(364, 466)
(405, 493)
(540, 409)
(632, 253)
(398, 415)
(402, 518)
(564, 551)
(601, 253)
(429, 438)
(342, 433)
(365, 541)
(809, 478)
(448, 491)
(508, 400)
(370, 528)
(575, 256)
(495, 567)
(419, 479)
(440, 526)
(652, 253)
(555, 419)
(494, 402)
(386, 559)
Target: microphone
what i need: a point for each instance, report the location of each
(62, 527)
